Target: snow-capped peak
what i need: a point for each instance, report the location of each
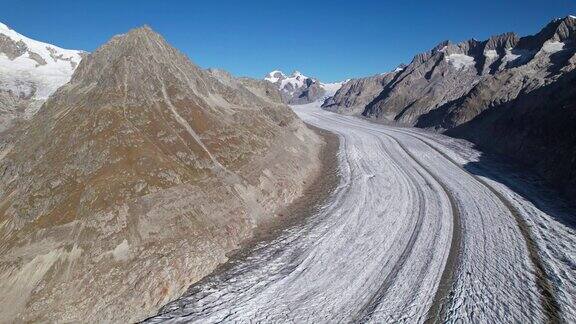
(29, 68)
(3, 27)
(297, 88)
(275, 76)
(297, 74)
(288, 84)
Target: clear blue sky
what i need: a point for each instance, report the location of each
(331, 40)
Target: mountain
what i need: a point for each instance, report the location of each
(30, 71)
(508, 94)
(298, 89)
(355, 94)
(136, 178)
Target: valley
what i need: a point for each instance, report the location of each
(138, 186)
(409, 235)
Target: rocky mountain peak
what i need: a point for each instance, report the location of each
(140, 138)
(502, 42)
(138, 44)
(566, 30)
(298, 88)
(138, 61)
(559, 30)
(275, 76)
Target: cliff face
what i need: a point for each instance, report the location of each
(509, 94)
(135, 179)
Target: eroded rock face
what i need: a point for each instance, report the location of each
(510, 94)
(135, 179)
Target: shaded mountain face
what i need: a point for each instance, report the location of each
(509, 94)
(136, 178)
(355, 94)
(30, 71)
(298, 89)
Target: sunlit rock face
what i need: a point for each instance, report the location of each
(136, 178)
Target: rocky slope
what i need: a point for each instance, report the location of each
(298, 89)
(355, 94)
(509, 94)
(135, 179)
(30, 71)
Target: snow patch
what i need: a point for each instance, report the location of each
(460, 61)
(553, 46)
(517, 56)
(491, 54)
(275, 76)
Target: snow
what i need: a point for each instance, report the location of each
(379, 245)
(275, 76)
(553, 47)
(24, 76)
(287, 83)
(332, 88)
(573, 17)
(460, 61)
(291, 84)
(517, 56)
(491, 54)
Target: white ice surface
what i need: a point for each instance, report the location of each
(553, 47)
(25, 76)
(460, 61)
(377, 248)
(517, 56)
(491, 54)
(332, 88)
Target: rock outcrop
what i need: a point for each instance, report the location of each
(135, 179)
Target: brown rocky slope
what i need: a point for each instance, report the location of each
(135, 179)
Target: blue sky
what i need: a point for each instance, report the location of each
(332, 40)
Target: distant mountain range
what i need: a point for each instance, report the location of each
(508, 94)
(299, 89)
